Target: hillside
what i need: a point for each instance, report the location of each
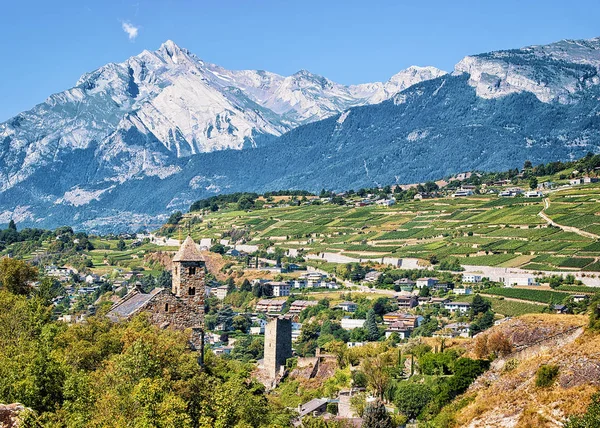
(476, 230)
(507, 396)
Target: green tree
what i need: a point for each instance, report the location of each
(12, 225)
(16, 275)
(479, 305)
(376, 416)
(241, 323)
(371, 326)
(533, 183)
(411, 398)
(121, 245)
(246, 286)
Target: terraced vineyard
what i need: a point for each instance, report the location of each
(478, 230)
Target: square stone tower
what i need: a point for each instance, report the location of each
(188, 278)
(278, 345)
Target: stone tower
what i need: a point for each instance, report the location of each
(278, 345)
(188, 277)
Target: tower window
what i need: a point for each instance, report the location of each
(166, 307)
(192, 291)
(192, 270)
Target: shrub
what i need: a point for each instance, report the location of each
(499, 344)
(411, 398)
(546, 375)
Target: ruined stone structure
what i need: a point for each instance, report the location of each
(181, 307)
(278, 346)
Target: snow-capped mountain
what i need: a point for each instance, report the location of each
(152, 134)
(136, 114)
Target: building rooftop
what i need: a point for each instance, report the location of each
(130, 305)
(188, 252)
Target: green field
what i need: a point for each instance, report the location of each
(478, 230)
(507, 307)
(542, 296)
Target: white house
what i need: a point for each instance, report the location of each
(386, 202)
(462, 193)
(461, 307)
(426, 282)
(280, 289)
(350, 324)
(463, 291)
(534, 194)
(220, 292)
(372, 276)
(471, 278)
(521, 281)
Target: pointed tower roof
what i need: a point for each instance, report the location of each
(188, 252)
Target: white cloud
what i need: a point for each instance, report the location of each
(130, 29)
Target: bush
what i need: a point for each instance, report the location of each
(546, 375)
(411, 398)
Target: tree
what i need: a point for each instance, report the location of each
(241, 323)
(411, 398)
(479, 305)
(175, 218)
(533, 183)
(16, 275)
(12, 225)
(594, 323)
(527, 164)
(246, 286)
(230, 285)
(377, 370)
(121, 245)
(376, 416)
(371, 326)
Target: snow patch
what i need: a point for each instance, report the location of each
(78, 196)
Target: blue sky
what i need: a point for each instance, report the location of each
(47, 45)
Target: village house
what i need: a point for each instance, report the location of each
(461, 307)
(220, 292)
(408, 319)
(457, 329)
(372, 276)
(280, 289)
(348, 306)
(401, 328)
(407, 302)
(350, 323)
(407, 283)
(578, 298)
(462, 193)
(522, 281)
(463, 291)
(426, 282)
(271, 306)
(298, 306)
(471, 278)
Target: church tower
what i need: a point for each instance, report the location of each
(188, 273)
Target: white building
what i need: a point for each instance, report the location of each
(522, 281)
(372, 276)
(350, 324)
(280, 289)
(426, 282)
(461, 307)
(463, 291)
(220, 292)
(471, 278)
(462, 193)
(534, 194)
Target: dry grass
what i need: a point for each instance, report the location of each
(509, 398)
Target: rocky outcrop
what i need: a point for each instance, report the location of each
(10, 415)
